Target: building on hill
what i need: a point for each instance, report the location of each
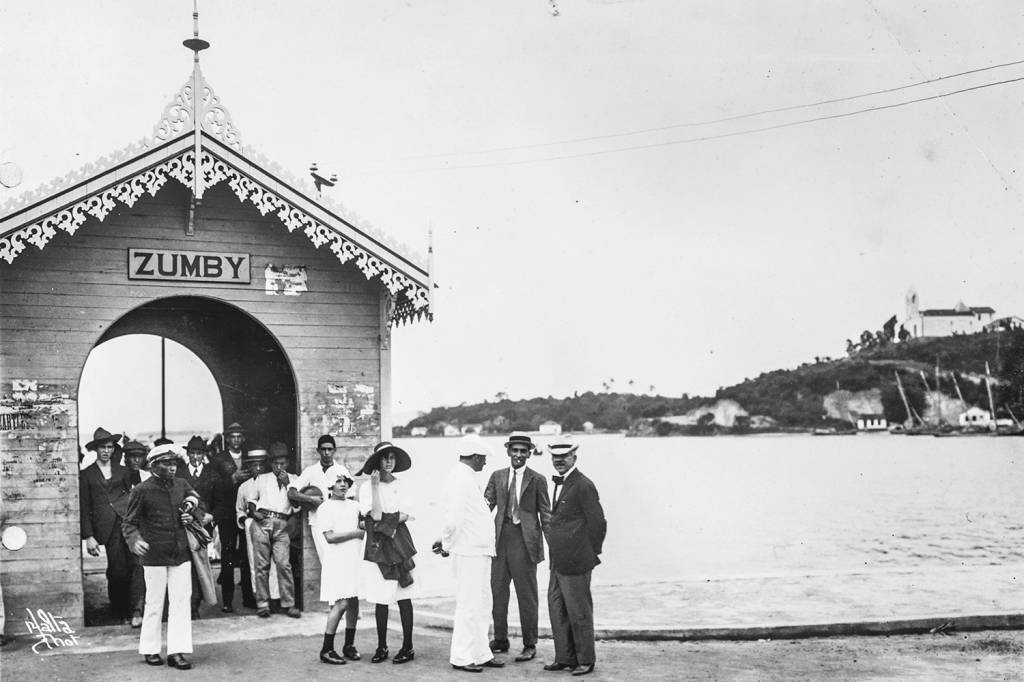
(976, 417)
(418, 431)
(550, 428)
(1008, 323)
(960, 319)
(872, 422)
(472, 428)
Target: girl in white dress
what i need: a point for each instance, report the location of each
(338, 520)
(384, 494)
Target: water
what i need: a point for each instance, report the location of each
(722, 507)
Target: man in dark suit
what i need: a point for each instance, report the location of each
(520, 496)
(134, 474)
(101, 524)
(575, 536)
(233, 550)
(205, 480)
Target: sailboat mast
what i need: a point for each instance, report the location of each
(991, 403)
(938, 393)
(903, 395)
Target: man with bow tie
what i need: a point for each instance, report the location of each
(575, 536)
(520, 496)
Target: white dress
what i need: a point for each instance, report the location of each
(340, 563)
(373, 587)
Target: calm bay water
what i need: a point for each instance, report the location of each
(724, 507)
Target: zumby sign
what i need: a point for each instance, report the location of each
(188, 266)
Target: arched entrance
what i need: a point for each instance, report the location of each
(250, 373)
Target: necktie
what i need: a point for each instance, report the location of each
(559, 480)
(515, 498)
(195, 472)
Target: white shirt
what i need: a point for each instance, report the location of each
(270, 495)
(520, 473)
(468, 527)
(315, 475)
(561, 488)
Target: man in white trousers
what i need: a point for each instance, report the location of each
(468, 535)
(154, 528)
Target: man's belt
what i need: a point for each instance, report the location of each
(276, 515)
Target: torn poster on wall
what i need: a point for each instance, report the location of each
(287, 279)
(350, 410)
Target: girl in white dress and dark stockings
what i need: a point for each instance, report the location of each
(338, 520)
(383, 499)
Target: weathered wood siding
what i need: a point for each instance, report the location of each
(56, 303)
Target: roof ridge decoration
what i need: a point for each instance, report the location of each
(180, 115)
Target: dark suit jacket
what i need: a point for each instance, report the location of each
(99, 520)
(208, 486)
(534, 507)
(225, 491)
(577, 529)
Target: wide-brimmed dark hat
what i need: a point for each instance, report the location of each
(278, 450)
(234, 427)
(196, 443)
(402, 459)
(134, 447)
(519, 438)
(101, 437)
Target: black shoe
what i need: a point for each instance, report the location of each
(350, 652)
(179, 661)
(381, 654)
(331, 657)
(227, 608)
(404, 656)
(552, 667)
(263, 613)
(499, 646)
(529, 653)
(249, 604)
(154, 659)
(471, 668)
(493, 663)
(583, 670)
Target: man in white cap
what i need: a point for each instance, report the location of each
(468, 535)
(155, 530)
(575, 537)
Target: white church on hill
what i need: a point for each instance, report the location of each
(960, 319)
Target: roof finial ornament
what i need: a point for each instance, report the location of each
(195, 43)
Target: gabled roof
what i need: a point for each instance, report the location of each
(170, 153)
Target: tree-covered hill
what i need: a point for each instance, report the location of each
(792, 398)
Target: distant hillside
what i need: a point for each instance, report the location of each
(782, 399)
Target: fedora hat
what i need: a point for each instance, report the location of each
(101, 437)
(196, 443)
(166, 451)
(519, 438)
(278, 450)
(372, 463)
(134, 447)
(563, 446)
(234, 427)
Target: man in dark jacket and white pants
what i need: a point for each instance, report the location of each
(575, 536)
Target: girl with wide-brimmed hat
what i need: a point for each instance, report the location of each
(387, 571)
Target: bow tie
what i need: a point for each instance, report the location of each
(559, 480)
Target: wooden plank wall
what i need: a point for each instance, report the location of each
(56, 303)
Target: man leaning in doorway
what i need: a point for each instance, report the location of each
(322, 475)
(233, 548)
(520, 496)
(270, 509)
(97, 486)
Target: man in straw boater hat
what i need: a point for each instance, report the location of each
(135, 473)
(575, 537)
(158, 510)
(520, 496)
(270, 510)
(233, 543)
(468, 535)
(101, 525)
(309, 491)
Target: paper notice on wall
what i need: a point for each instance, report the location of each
(289, 280)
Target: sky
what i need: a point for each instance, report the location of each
(588, 222)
